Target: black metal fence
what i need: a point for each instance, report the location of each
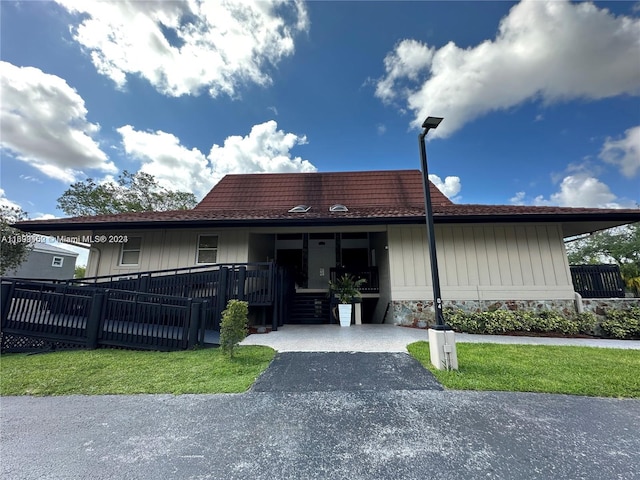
(164, 309)
(91, 317)
(597, 281)
(255, 283)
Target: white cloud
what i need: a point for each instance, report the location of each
(408, 60)
(518, 198)
(174, 165)
(381, 128)
(182, 48)
(29, 178)
(43, 122)
(43, 216)
(625, 153)
(543, 49)
(450, 187)
(265, 149)
(5, 202)
(582, 190)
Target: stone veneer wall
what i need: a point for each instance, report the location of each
(600, 305)
(414, 312)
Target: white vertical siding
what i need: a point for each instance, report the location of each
(164, 249)
(498, 261)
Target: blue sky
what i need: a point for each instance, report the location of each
(540, 100)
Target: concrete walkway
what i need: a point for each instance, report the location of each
(394, 339)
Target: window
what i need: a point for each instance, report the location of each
(338, 207)
(130, 254)
(207, 249)
(57, 261)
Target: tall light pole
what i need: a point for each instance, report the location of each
(442, 342)
(431, 123)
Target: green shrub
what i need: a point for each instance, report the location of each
(504, 321)
(233, 327)
(587, 323)
(622, 323)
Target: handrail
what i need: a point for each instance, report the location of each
(168, 271)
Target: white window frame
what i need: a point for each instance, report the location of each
(124, 250)
(57, 262)
(198, 249)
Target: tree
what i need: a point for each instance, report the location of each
(80, 271)
(132, 192)
(619, 245)
(14, 245)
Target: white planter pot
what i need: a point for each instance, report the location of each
(344, 312)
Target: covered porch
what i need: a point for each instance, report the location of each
(314, 257)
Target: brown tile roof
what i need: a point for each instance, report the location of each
(371, 197)
(283, 191)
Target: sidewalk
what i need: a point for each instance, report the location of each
(394, 339)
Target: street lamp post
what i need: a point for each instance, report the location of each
(442, 344)
(431, 123)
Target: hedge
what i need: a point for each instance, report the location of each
(622, 324)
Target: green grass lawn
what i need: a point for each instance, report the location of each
(100, 372)
(602, 372)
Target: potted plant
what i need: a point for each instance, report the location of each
(346, 289)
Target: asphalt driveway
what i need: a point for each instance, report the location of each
(323, 429)
(344, 372)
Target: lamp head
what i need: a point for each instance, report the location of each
(431, 122)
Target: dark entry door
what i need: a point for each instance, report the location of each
(292, 260)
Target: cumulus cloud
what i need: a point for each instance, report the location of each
(543, 49)
(55, 137)
(582, 190)
(450, 187)
(409, 59)
(624, 153)
(264, 149)
(518, 198)
(182, 48)
(163, 156)
(5, 202)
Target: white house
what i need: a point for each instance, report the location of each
(371, 223)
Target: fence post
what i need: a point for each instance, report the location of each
(93, 320)
(195, 310)
(222, 296)
(6, 293)
(143, 283)
(276, 296)
(242, 275)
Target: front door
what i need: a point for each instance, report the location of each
(322, 257)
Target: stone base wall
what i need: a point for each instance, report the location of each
(599, 306)
(418, 312)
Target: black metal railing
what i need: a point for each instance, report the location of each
(370, 274)
(94, 316)
(597, 281)
(143, 310)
